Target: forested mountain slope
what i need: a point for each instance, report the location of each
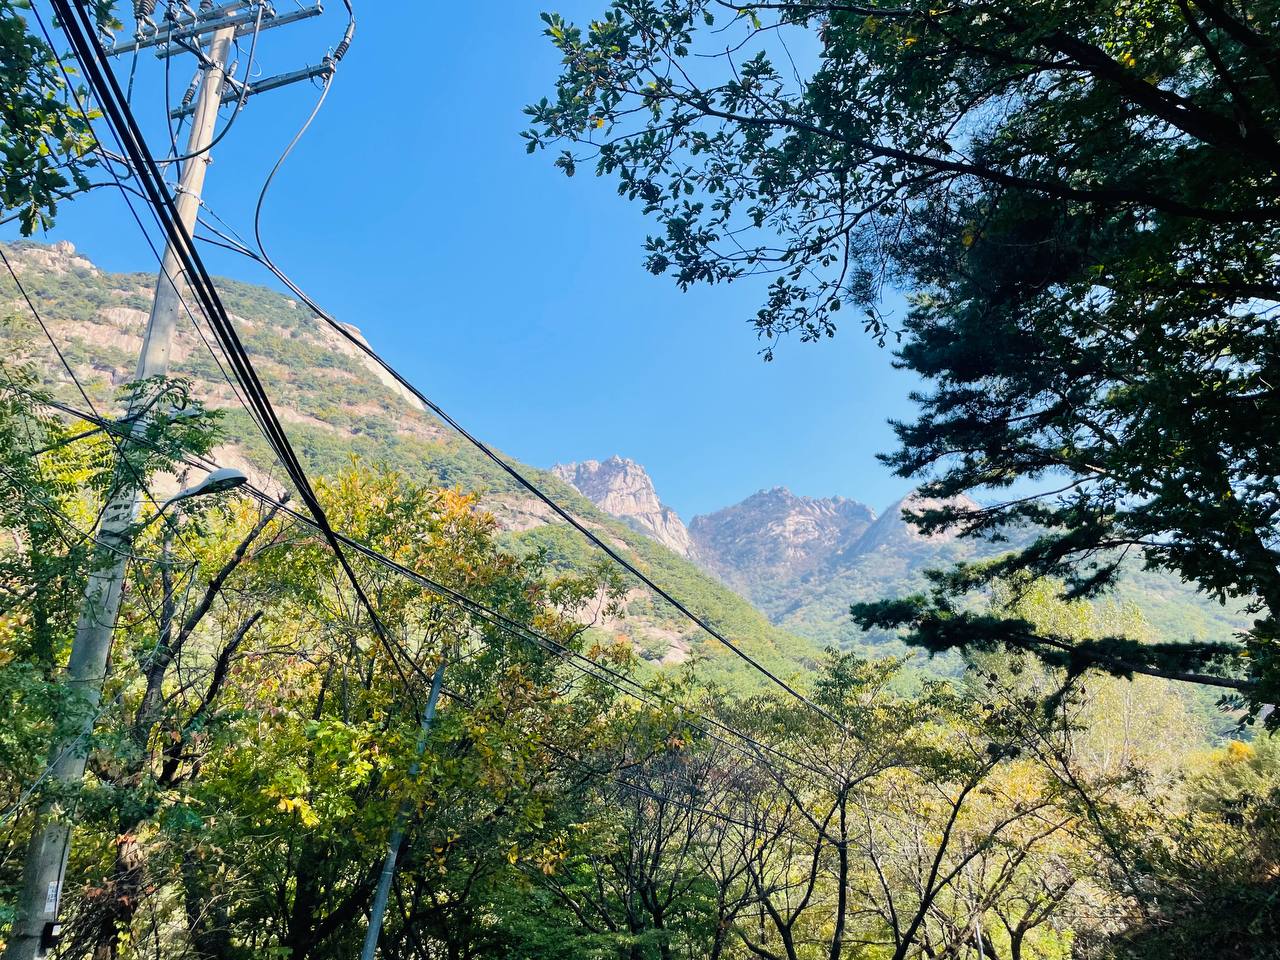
(804, 560)
(337, 405)
(801, 561)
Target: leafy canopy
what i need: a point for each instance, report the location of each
(46, 142)
(1082, 199)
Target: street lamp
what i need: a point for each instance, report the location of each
(217, 481)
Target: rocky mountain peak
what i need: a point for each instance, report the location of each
(623, 488)
(60, 257)
(777, 533)
(893, 532)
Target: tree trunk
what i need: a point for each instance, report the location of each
(118, 902)
(299, 938)
(207, 927)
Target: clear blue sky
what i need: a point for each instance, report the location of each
(512, 295)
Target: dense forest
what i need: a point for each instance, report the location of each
(256, 742)
(315, 689)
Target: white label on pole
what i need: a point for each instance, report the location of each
(51, 899)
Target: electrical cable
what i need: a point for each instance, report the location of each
(332, 61)
(92, 57)
(172, 281)
(615, 679)
(124, 192)
(611, 677)
(66, 440)
(244, 96)
(120, 120)
(613, 554)
(168, 103)
(266, 185)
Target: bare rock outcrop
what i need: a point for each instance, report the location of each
(775, 533)
(624, 490)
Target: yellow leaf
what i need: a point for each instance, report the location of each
(1237, 750)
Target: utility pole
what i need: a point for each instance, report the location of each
(397, 832)
(36, 928)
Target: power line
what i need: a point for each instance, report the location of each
(599, 542)
(605, 674)
(92, 57)
(611, 677)
(136, 150)
(629, 785)
(81, 535)
(264, 257)
(750, 747)
(615, 679)
(511, 471)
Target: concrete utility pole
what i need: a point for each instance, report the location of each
(36, 929)
(388, 873)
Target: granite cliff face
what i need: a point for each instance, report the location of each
(776, 534)
(800, 560)
(623, 489)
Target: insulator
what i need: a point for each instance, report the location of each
(191, 91)
(206, 6)
(142, 9)
(341, 50)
